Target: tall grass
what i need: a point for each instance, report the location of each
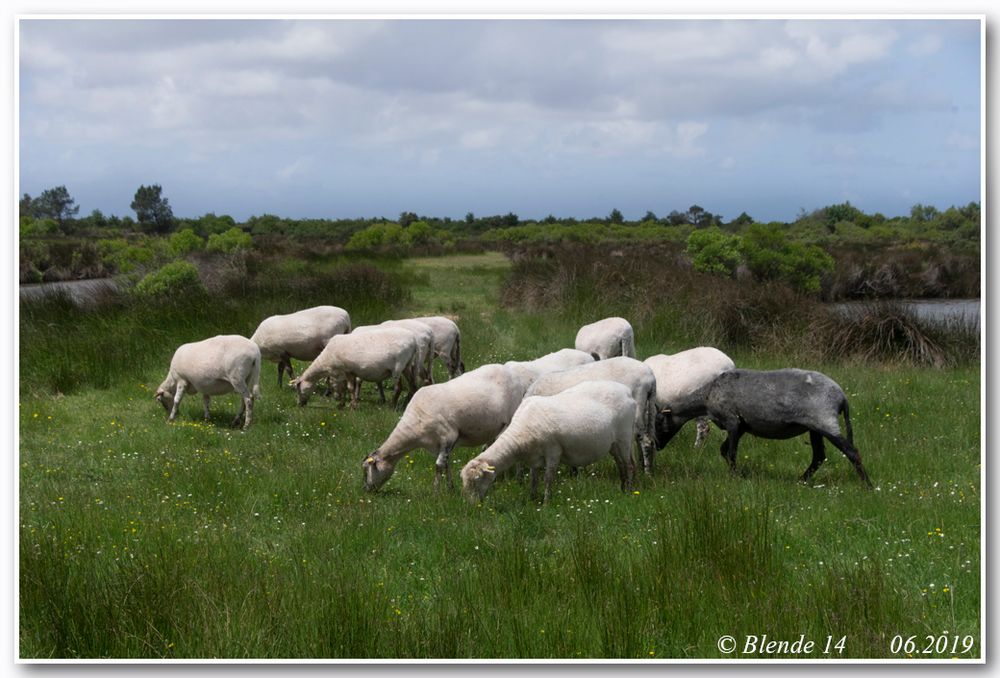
(656, 289)
(64, 347)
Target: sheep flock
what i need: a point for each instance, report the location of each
(574, 406)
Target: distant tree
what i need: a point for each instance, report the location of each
(470, 218)
(696, 215)
(739, 222)
(153, 210)
(649, 216)
(616, 217)
(675, 218)
(551, 219)
(407, 218)
(921, 213)
(510, 219)
(55, 203)
(25, 206)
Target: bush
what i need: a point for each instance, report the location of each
(230, 241)
(771, 256)
(376, 237)
(184, 242)
(713, 251)
(176, 279)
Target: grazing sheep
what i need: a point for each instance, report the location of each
(782, 404)
(300, 335)
(637, 376)
(607, 338)
(681, 381)
(211, 367)
(386, 353)
(526, 371)
(471, 409)
(447, 343)
(577, 426)
(425, 346)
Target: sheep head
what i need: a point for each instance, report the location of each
(376, 471)
(666, 426)
(163, 398)
(303, 388)
(477, 478)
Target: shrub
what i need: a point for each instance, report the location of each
(376, 237)
(184, 242)
(771, 256)
(37, 227)
(176, 279)
(713, 251)
(230, 241)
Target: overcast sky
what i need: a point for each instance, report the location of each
(350, 118)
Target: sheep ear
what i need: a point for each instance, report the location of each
(665, 410)
(490, 469)
(370, 460)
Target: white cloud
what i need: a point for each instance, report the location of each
(687, 134)
(925, 45)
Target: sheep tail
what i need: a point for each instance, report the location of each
(628, 346)
(456, 354)
(847, 421)
(255, 379)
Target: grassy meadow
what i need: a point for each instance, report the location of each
(139, 539)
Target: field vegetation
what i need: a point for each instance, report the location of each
(194, 540)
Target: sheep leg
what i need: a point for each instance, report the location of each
(204, 401)
(355, 392)
(702, 435)
(381, 393)
(550, 477)
(281, 371)
(819, 455)
(851, 453)
(246, 407)
(646, 450)
(397, 390)
(442, 466)
(177, 400)
(729, 446)
(622, 453)
(533, 492)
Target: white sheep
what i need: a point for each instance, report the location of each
(682, 380)
(527, 371)
(637, 376)
(447, 343)
(578, 427)
(471, 409)
(300, 335)
(213, 366)
(385, 353)
(607, 338)
(425, 345)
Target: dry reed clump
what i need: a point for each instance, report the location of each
(902, 273)
(880, 332)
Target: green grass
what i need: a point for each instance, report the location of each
(142, 539)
